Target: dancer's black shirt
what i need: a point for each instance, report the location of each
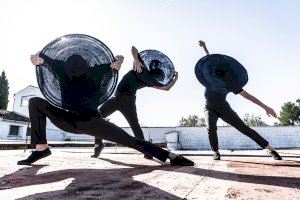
(79, 92)
(217, 99)
(132, 81)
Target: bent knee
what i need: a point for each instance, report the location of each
(35, 101)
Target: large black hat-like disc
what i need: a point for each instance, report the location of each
(80, 96)
(221, 73)
(165, 67)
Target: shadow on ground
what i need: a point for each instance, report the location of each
(89, 183)
(119, 183)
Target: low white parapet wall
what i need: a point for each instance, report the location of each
(229, 137)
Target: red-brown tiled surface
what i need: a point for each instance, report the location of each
(122, 173)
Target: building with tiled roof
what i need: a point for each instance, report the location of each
(12, 116)
(12, 125)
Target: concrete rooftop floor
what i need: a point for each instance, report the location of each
(123, 173)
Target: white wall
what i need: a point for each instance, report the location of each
(189, 137)
(157, 135)
(28, 91)
(23, 110)
(55, 135)
(5, 127)
(229, 137)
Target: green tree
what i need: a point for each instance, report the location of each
(4, 87)
(192, 120)
(290, 114)
(253, 120)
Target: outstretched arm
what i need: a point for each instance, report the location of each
(170, 85)
(136, 62)
(268, 110)
(40, 59)
(203, 45)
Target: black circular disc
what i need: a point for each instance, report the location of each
(84, 96)
(221, 73)
(166, 67)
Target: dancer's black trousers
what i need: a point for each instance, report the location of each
(225, 112)
(126, 105)
(83, 123)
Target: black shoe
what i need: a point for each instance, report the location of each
(148, 156)
(35, 156)
(217, 156)
(97, 151)
(275, 155)
(182, 161)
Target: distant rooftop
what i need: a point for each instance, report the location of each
(26, 87)
(13, 116)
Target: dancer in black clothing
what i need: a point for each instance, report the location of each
(78, 81)
(82, 122)
(217, 107)
(125, 98)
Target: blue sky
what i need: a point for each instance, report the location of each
(263, 35)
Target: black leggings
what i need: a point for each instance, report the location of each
(83, 123)
(126, 105)
(224, 111)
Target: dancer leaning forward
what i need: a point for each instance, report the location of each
(137, 78)
(220, 75)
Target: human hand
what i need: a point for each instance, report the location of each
(271, 112)
(175, 74)
(137, 66)
(201, 43)
(119, 58)
(36, 60)
(116, 65)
